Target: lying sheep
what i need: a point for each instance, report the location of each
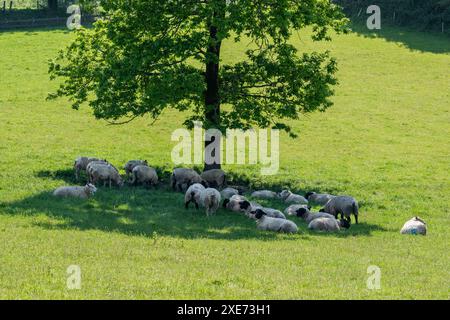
(237, 203)
(181, 177)
(344, 205)
(328, 224)
(130, 165)
(319, 199)
(289, 197)
(292, 209)
(105, 173)
(309, 216)
(76, 192)
(193, 195)
(210, 200)
(414, 226)
(273, 224)
(143, 174)
(227, 193)
(264, 194)
(215, 178)
(81, 164)
(273, 213)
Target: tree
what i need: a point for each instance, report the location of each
(52, 5)
(146, 55)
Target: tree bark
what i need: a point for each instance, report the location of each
(52, 5)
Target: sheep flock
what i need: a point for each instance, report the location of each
(209, 191)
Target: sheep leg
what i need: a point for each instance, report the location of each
(110, 183)
(356, 218)
(186, 204)
(196, 205)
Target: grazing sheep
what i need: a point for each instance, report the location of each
(292, 209)
(227, 193)
(188, 177)
(264, 194)
(328, 224)
(91, 165)
(308, 216)
(414, 226)
(193, 195)
(76, 192)
(289, 197)
(319, 199)
(145, 175)
(81, 164)
(105, 173)
(344, 205)
(273, 224)
(130, 165)
(214, 178)
(210, 200)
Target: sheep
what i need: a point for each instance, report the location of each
(105, 173)
(289, 197)
(273, 213)
(344, 205)
(320, 199)
(182, 176)
(328, 224)
(144, 174)
(414, 226)
(237, 203)
(308, 216)
(264, 194)
(76, 192)
(292, 209)
(129, 166)
(214, 178)
(267, 223)
(193, 195)
(91, 165)
(81, 164)
(210, 200)
(227, 193)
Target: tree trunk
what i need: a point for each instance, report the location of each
(212, 98)
(52, 5)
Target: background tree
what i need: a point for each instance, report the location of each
(52, 5)
(146, 55)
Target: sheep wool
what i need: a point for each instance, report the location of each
(130, 165)
(414, 226)
(319, 199)
(274, 224)
(292, 209)
(193, 195)
(289, 197)
(264, 194)
(328, 224)
(227, 193)
(214, 178)
(210, 200)
(76, 192)
(182, 178)
(309, 216)
(145, 175)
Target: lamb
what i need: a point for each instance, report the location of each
(414, 226)
(292, 209)
(210, 200)
(130, 165)
(182, 176)
(81, 164)
(214, 178)
(308, 216)
(193, 195)
(289, 197)
(273, 224)
(227, 193)
(320, 199)
(76, 192)
(105, 173)
(328, 224)
(344, 205)
(264, 194)
(144, 174)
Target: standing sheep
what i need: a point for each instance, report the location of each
(193, 195)
(76, 192)
(145, 175)
(182, 176)
(289, 197)
(81, 164)
(414, 226)
(210, 200)
(328, 224)
(130, 165)
(273, 224)
(214, 178)
(319, 199)
(344, 205)
(105, 173)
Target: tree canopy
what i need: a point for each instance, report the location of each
(143, 56)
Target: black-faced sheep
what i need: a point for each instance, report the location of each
(414, 226)
(237, 203)
(319, 199)
(328, 224)
(344, 205)
(215, 178)
(289, 197)
(76, 192)
(182, 178)
(308, 216)
(143, 174)
(130, 165)
(273, 224)
(292, 209)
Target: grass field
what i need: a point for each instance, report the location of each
(386, 142)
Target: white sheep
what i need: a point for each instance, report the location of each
(274, 224)
(289, 197)
(193, 195)
(185, 177)
(227, 193)
(130, 165)
(210, 200)
(309, 216)
(292, 209)
(214, 178)
(106, 174)
(264, 194)
(145, 175)
(81, 164)
(344, 205)
(76, 192)
(91, 165)
(414, 226)
(319, 199)
(237, 203)
(328, 224)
